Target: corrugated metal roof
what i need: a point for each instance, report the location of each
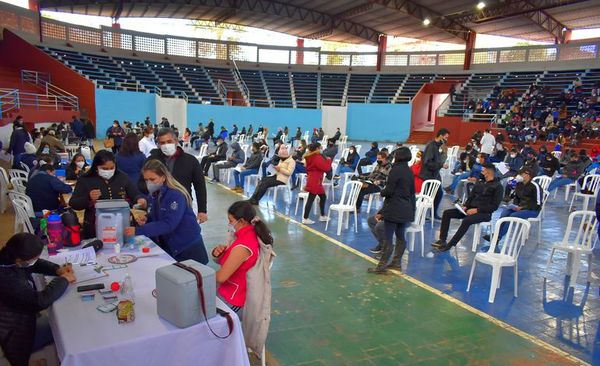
(354, 21)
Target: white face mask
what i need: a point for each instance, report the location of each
(519, 178)
(151, 136)
(80, 164)
(513, 155)
(106, 174)
(29, 264)
(231, 226)
(168, 149)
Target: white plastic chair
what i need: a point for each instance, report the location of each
(346, 205)
(23, 212)
(430, 188)
(71, 150)
(329, 184)
(19, 184)
(254, 177)
(538, 218)
(585, 236)
(477, 228)
(303, 195)
(358, 148)
(287, 188)
(518, 230)
(374, 197)
(228, 171)
(543, 181)
(203, 151)
(418, 225)
(18, 173)
(590, 183)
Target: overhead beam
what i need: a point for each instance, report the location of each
(534, 10)
(323, 22)
(509, 8)
(357, 10)
(420, 12)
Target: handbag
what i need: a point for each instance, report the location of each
(109, 142)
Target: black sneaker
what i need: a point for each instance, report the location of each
(444, 248)
(438, 244)
(377, 270)
(486, 237)
(375, 250)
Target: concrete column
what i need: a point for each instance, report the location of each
(300, 52)
(381, 47)
(469, 47)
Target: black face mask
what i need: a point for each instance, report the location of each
(379, 162)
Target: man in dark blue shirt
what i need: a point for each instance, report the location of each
(44, 189)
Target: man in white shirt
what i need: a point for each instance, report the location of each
(488, 141)
(146, 143)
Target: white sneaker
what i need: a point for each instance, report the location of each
(323, 218)
(307, 221)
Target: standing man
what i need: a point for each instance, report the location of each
(434, 159)
(18, 138)
(484, 199)
(183, 166)
(488, 142)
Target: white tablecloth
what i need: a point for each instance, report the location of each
(86, 337)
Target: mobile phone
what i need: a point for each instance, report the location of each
(95, 286)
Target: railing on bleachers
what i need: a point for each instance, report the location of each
(25, 23)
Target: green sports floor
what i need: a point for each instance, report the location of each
(326, 310)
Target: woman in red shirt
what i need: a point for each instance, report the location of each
(416, 169)
(316, 166)
(237, 258)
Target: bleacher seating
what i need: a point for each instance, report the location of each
(312, 89)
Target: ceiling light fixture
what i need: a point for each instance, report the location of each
(426, 22)
(480, 5)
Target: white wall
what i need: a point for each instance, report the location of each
(333, 117)
(175, 109)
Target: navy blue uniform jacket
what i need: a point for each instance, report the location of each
(171, 221)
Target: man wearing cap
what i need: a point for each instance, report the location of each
(527, 200)
(483, 200)
(284, 170)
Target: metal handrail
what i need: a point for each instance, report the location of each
(38, 101)
(43, 80)
(157, 91)
(184, 95)
(13, 100)
(238, 74)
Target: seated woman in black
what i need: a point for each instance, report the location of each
(103, 181)
(77, 167)
(22, 330)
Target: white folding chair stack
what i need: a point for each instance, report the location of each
(591, 183)
(23, 212)
(19, 184)
(346, 205)
(539, 217)
(583, 225)
(518, 230)
(430, 188)
(418, 225)
(18, 173)
(4, 184)
(25, 167)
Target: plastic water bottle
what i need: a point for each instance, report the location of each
(127, 288)
(55, 229)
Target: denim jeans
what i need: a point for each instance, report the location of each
(457, 179)
(559, 182)
(523, 214)
(240, 178)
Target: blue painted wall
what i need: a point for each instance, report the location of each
(378, 122)
(272, 118)
(122, 105)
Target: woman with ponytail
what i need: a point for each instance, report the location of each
(237, 258)
(171, 221)
(22, 331)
